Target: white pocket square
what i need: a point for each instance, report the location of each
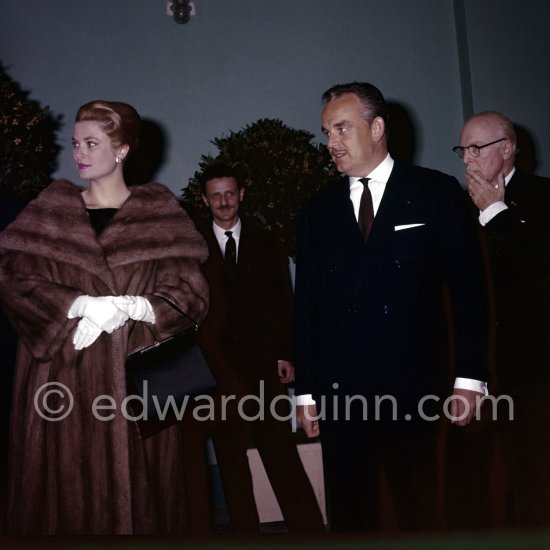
(407, 226)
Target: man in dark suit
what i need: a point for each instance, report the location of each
(370, 331)
(247, 339)
(515, 218)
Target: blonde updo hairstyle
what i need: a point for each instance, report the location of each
(120, 121)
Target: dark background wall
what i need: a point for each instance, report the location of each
(240, 60)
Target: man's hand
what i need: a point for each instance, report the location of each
(484, 192)
(464, 405)
(307, 418)
(285, 369)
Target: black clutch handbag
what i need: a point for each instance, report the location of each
(163, 378)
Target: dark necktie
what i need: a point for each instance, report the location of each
(366, 210)
(230, 250)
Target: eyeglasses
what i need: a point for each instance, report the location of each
(473, 149)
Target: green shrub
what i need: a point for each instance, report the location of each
(282, 169)
(28, 150)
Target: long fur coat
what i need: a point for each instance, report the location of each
(81, 474)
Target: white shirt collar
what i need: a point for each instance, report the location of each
(380, 174)
(378, 179)
(221, 237)
(509, 176)
(220, 231)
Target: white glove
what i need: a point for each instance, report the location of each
(86, 334)
(137, 307)
(100, 310)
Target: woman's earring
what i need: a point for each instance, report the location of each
(119, 158)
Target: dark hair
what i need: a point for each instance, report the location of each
(220, 170)
(120, 121)
(372, 101)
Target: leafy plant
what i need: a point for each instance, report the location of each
(282, 169)
(28, 150)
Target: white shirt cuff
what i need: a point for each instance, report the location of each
(305, 399)
(460, 383)
(485, 216)
(470, 384)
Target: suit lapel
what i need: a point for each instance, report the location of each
(345, 227)
(398, 196)
(213, 245)
(513, 191)
(245, 246)
(214, 265)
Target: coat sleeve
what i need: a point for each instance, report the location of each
(463, 272)
(36, 305)
(180, 285)
(304, 309)
(520, 243)
(279, 295)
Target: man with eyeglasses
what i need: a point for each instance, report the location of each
(515, 219)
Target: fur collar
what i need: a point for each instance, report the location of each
(149, 225)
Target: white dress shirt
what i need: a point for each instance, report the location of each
(222, 238)
(378, 179)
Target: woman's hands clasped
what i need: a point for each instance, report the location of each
(106, 314)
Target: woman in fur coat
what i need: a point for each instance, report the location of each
(87, 275)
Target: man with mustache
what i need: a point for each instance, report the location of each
(246, 338)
